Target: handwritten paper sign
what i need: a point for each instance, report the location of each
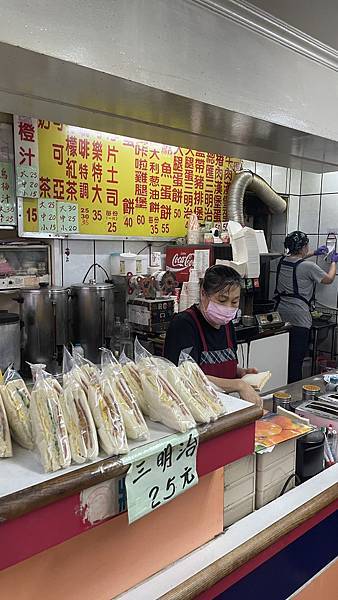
(7, 195)
(47, 215)
(159, 472)
(26, 157)
(68, 217)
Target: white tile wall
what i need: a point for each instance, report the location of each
(103, 250)
(279, 223)
(80, 258)
(277, 243)
(311, 183)
(309, 213)
(327, 294)
(329, 213)
(279, 179)
(293, 213)
(330, 183)
(264, 171)
(250, 165)
(295, 182)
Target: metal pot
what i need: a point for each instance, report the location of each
(9, 340)
(45, 320)
(92, 316)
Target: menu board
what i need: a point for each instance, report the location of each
(7, 188)
(98, 184)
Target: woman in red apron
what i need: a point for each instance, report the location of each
(206, 333)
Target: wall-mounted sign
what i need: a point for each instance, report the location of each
(120, 186)
(8, 215)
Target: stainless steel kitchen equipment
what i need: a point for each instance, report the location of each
(24, 265)
(92, 316)
(9, 340)
(45, 325)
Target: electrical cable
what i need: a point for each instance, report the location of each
(95, 265)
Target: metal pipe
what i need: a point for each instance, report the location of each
(249, 181)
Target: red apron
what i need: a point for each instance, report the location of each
(222, 363)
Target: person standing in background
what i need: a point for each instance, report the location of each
(296, 280)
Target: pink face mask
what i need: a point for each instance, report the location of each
(219, 314)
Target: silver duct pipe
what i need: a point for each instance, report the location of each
(246, 180)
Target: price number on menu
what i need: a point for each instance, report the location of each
(160, 473)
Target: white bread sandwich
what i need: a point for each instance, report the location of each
(5, 436)
(79, 423)
(16, 399)
(107, 417)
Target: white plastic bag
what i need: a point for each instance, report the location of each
(49, 429)
(16, 399)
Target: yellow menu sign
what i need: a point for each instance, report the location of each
(99, 184)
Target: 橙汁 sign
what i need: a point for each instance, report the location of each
(159, 472)
(121, 186)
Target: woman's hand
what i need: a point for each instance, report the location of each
(241, 372)
(247, 393)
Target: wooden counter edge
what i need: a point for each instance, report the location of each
(224, 566)
(24, 501)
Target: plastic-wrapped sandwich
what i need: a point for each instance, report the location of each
(132, 376)
(163, 402)
(136, 427)
(107, 417)
(16, 399)
(48, 422)
(193, 376)
(78, 417)
(5, 436)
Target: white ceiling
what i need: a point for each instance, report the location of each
(316, 18)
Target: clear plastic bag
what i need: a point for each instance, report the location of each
(193, 376)
(132, 376)
(134, 422)
(194, 401)
(78, 417)
(163, 402)
(5, 436)
(49, 429)
(16, 399)
(86, 370)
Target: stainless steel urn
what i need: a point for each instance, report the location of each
(9, 340)
(45, 320)
(92, 316)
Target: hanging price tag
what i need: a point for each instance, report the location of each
(159, 472)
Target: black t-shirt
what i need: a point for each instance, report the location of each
(184, 335)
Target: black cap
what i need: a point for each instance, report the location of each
(295, 241)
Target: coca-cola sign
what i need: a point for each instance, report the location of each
(180, 260)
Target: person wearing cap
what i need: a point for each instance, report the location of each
(206, 332)
(296, 280)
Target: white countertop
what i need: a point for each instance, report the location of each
(24, 470)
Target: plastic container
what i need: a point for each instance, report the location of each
(239, 468)
(235, 492)
(272, 492)
(127, 263)
(280, 451)
(142, 262)
(184, 298)
(115, 263)
(239, 510)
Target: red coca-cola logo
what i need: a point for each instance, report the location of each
(179, 262)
